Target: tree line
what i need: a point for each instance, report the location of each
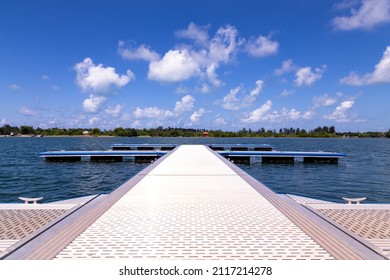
(323, 132)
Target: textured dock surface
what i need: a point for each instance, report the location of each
(193, 204)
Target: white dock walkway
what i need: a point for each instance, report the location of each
(193, 204)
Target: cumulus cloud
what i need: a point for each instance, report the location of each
(260, 114)
(370, 14)
(381, 74)
(287, 66)
(28, 111)
(308, 115)
(94, 103)
(114, 111)
(342, 112)
(194, 32)
(175, 66)
(305, 76)
(323, 101)
(185, 62)
(186, 104)
(182, 106)
(291, 114)
(224, 44)
(261, 46)
(201, 58)
(94, 120)
(195, 117)
(152, 112)
(264, 114)
(98, 78)
(142, 52)
(219, 121)
(232, 102)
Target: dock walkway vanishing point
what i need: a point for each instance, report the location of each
(191, 204)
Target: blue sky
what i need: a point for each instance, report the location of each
(199, 64)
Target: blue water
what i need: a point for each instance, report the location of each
(365, 171)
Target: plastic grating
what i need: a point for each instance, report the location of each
(367, 223)
(185, 214)
(15, 224)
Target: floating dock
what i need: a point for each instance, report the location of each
(143, 147)
(239, 153)
(140, 156)
(190, 204)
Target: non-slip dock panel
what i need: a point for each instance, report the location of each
(16, 224)
(339, 244)
(47, 243)
(193, 206)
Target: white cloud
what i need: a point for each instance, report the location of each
(264, 114)
(114, 111)
(232, 102)
(308, 115)
(260, 114)
(14, 87)
(370, 14)
(305, 76)
(94, 103)
(212, 76)
(286, 92)
(287, 66)
(346, 4)
(224, 45)
(381, 74)
(323, 101)
(142, 52)
(4, 121)
(291, 114)
(98, 78)
(258, 88)
(56, 88)
(194, 32)
(45, 77)
(93, 120)
(186, 104)
(261, 46)
(219, 121)
(342, 112)
(195, 117)
(175, 66)
(152, 112)
(182, 90)
(185, 62)
(28, 112)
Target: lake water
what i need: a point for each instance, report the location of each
(365, 171)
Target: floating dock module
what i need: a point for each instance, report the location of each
(239, 153)
(240, 147)
(193, 204)
(281, 157)
(143, 147)
(111, 156)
